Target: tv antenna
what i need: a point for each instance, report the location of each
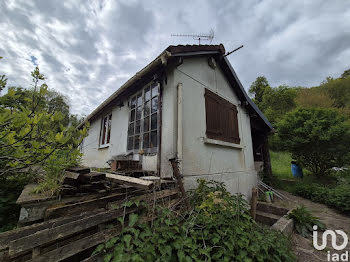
(199, 37)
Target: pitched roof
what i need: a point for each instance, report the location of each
(182, 51)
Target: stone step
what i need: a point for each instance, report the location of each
(266, 218)
(271, 208)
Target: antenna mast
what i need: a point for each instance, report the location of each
(198, 37)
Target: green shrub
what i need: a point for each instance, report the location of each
(336, 196)
(339, 198)
(318, 138)
(218, 228)
(304, 221)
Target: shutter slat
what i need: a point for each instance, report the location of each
(221, 118)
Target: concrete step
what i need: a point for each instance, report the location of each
(266, 218)
(271, 208)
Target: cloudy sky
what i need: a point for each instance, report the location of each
(89, 48)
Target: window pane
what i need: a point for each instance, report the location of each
(103, 130)
(133, 102)
(130, 142)
(154, 121)
(131, 129)
(154, 90)
(146, 108)
(146, 140)
(139, 100)
(147, 93)
(138, 127)
(137, 142)
(109, 128)
(138, 112)
(153, 139)
(146, 124)
(154, 104)
(132, 115)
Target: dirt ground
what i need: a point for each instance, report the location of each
(303, 247)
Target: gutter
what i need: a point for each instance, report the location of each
(162, 59)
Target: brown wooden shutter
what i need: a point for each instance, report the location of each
(212, 107)
(221, 118)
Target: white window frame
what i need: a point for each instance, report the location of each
(106, 130)
(132, 123)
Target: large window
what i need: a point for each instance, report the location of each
(105, 135)
(143, 119)
(221, 118)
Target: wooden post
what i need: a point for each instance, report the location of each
(253, 202)
(179, 181)
(266, 157)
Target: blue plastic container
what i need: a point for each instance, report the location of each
(297, 171)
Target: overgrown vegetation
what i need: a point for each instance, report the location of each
(280, 163)
(318, 138)
(38, 139)
(304, 221)
(218, 228)
(311, 123)
(332, 190)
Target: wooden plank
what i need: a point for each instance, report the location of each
(8, 236)
(179, 181)
(136, 182)
(80, 170)
(75, 208)
(27, 196)
(46, 236)
(81, 245)
(76, 247)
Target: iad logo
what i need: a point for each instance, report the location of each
(332, 234)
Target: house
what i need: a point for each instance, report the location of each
(188, 104)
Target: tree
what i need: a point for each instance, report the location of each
(277, 102)
(31, 135)
(314, 97)
(258, 88)
(339, 90)
(318, 138)
(345, 74)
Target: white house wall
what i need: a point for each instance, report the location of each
(234, 166)
(93, 156)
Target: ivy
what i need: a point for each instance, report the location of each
(218, 228)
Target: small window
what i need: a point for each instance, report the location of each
(106, 130)
(221, 118)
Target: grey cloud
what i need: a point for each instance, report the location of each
(88, 49)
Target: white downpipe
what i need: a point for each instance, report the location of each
(179, 124)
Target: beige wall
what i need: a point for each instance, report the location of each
(231, 164)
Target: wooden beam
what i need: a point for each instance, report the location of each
(76, 208)
(135, 182)
(179, 181)
(46, 236)
(7, 237)
(78, 246)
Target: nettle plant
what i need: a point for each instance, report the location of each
(218, 228)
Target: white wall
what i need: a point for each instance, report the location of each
(234, 166)
(93, 156)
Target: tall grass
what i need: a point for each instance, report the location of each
(281, 166)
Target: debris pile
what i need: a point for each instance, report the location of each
(81, 180)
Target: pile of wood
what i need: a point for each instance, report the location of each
(73, 230)
(82, 180)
